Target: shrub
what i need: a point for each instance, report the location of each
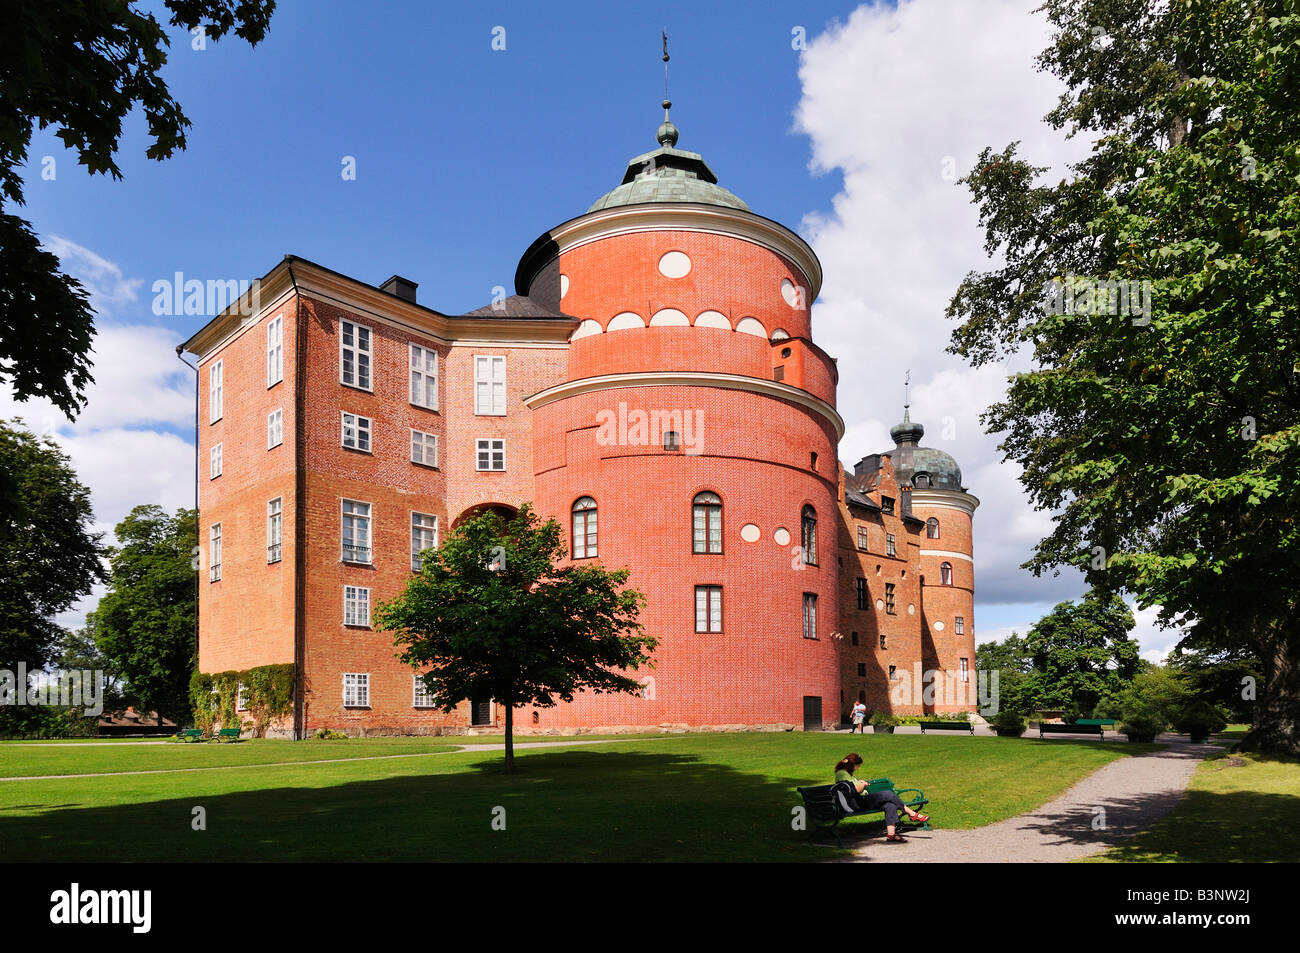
(1200, 718)
(882, 719)
(1008, 720)
(329, 734)
(1150, 702)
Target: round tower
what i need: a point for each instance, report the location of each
(947, 561)
(694, 442)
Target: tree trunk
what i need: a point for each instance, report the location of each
(1276, 730)
(510, 738)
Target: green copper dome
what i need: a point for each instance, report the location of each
(922, 467)
(668, 174)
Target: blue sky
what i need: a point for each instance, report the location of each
(465, 154)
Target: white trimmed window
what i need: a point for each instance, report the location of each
(241, 703)
(424, 535)
(490, 385)
(214, 462)
(809, 615)
(891, 548)
(274, 514)
(959, 625)
(424, 448)
(355, 355)
(214, 552)
(275, 428)
(216, 392)
(491, 455)
(274, 351)
(356, 689)
(424, 377)
(584, 528)
(356, 432)
(708, 608)
(421, 697)
(356, 532)
(862, 537)
(356, 606)
(965, 669)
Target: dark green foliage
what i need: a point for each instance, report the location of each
(1080, 653)
(1200, 718)
(145, 624)
(1149, 703)
(81, 68)
(1170, 448)
(530, 633)
(48, 557)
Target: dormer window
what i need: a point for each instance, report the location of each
(887, 504)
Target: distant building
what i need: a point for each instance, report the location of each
(132, 722)
(653, 385)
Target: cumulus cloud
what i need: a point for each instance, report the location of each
(901, 100)
(124, 445)
(109, 289)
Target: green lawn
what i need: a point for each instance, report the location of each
(1238, 807)
(678, 797)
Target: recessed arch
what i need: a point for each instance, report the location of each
(752, 326)
(669, 317)
(780, 334)
(586, 329)
(624, 321)
(713, 319)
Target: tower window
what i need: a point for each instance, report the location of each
(959, 625)
(893, 673)
(809, 615)
(708, 608)
(932, 528)
(584, 528)
(808, 535)
(862, 593)
(945, 574)
(812, 461)
(882, 640)
(889, 598)
(862, 669)
(890, 547)
(706, 523)
(672, 440)
(862, 538)
(853, 638)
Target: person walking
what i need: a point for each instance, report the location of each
(858, 716)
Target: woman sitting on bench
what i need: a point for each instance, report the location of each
(886, 801)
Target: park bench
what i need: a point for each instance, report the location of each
(190, 734)
(948, 726)
(1079, 729)
(228, 734)
(828, 804)
(1103, 722)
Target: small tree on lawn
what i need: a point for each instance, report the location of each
(492, 614)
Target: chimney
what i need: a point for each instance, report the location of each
(400, 287)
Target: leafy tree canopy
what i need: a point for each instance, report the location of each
(530, 632)
(1155, 289)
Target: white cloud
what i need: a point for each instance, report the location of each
(901, 101)
(109, 289)
(122, 445)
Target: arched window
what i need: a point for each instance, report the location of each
(808, 535)
(945, 574)
(932, 528)
(706, 523)
(584, 528)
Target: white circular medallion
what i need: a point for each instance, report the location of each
(675, 264)
(750, 533)
(880, 603)
(911, 609)
(781, 536)
(938, 627)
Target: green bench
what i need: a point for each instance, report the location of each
(228, 734)
(948, 726)
(190, 734)
(828, 804)
(1104, 722)
(1079, 729)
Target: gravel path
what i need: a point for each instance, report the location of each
(1135, 792)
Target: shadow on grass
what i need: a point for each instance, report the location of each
(561, 806)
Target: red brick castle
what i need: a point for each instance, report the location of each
(654, 386)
